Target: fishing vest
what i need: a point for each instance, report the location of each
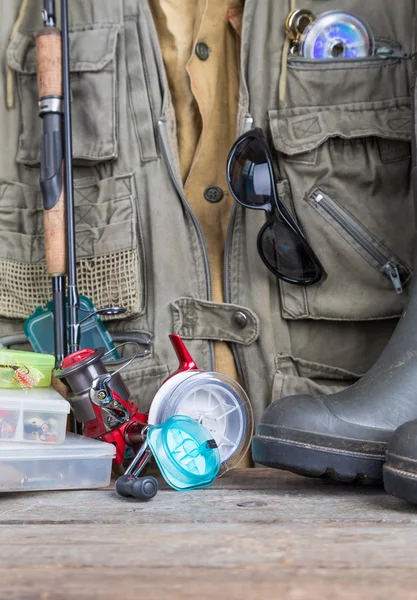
(340, 136)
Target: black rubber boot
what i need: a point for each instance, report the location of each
(345, 435)
(400, 469)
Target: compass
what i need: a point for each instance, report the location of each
(337, 35)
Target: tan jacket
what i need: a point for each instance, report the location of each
(205, 87)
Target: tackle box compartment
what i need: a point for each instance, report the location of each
(36, 415)
(78, 463)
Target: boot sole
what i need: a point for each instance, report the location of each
(319, 461)
(399, 481)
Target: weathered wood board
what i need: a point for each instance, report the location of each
(257, 533)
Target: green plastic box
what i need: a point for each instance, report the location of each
(19, 369)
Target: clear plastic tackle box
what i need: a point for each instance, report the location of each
(78, 463)
(35, 415)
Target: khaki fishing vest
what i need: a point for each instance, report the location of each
(340, 136)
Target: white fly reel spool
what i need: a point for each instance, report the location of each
(217, 402)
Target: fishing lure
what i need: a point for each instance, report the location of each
(26, 377)
(40, 428)
(7, 428)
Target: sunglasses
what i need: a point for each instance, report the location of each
(282, 244)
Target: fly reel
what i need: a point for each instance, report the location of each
(199, 426)
(212, 399)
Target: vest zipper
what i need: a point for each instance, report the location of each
(178, 186)
(226, 263)
(383, 54)
(370, 248)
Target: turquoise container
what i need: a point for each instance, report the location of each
(185, 453)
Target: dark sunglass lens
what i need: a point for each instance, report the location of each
(250, 176)
(287, 254)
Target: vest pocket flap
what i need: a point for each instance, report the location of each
(295, 376)
(299, 130)
(93, 91)
(91, 49)
(110, 253)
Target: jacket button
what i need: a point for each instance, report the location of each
(202, 50)
(240, 319)
(213, 193)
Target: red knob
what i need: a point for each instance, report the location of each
(77, 357)
(186, 361)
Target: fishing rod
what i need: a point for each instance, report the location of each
(51, 107)
(73, 296)
(52, 48)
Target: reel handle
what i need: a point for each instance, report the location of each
(131, 485)
(142, 488)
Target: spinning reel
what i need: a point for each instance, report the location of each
(100, 401)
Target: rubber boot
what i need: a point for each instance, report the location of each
(400, 469)
(345, 435)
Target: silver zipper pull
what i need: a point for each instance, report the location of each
(248, 123)
(390, 52)
(317, 197)
(391, 270)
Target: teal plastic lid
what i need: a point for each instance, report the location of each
(185, 452)
(39, 328)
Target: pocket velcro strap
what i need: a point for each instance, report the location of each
(202, 320)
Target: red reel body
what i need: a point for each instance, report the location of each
(127, 434)
(100, 401)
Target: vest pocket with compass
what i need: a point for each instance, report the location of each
(340, 130)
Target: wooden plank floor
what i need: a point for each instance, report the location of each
(255, 534)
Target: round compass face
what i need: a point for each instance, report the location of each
(337, 35)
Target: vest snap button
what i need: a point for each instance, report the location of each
(213, 193)
(240, 319)
(202, 50)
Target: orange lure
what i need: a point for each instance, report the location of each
(27, 378)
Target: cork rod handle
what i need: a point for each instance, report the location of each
(55, 239)
(49, 68)
(49, 63)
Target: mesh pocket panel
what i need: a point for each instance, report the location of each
(112, 280)
(109, 280)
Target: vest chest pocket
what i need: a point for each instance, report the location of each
(110, 265)
(93, 88)
(349, 173)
